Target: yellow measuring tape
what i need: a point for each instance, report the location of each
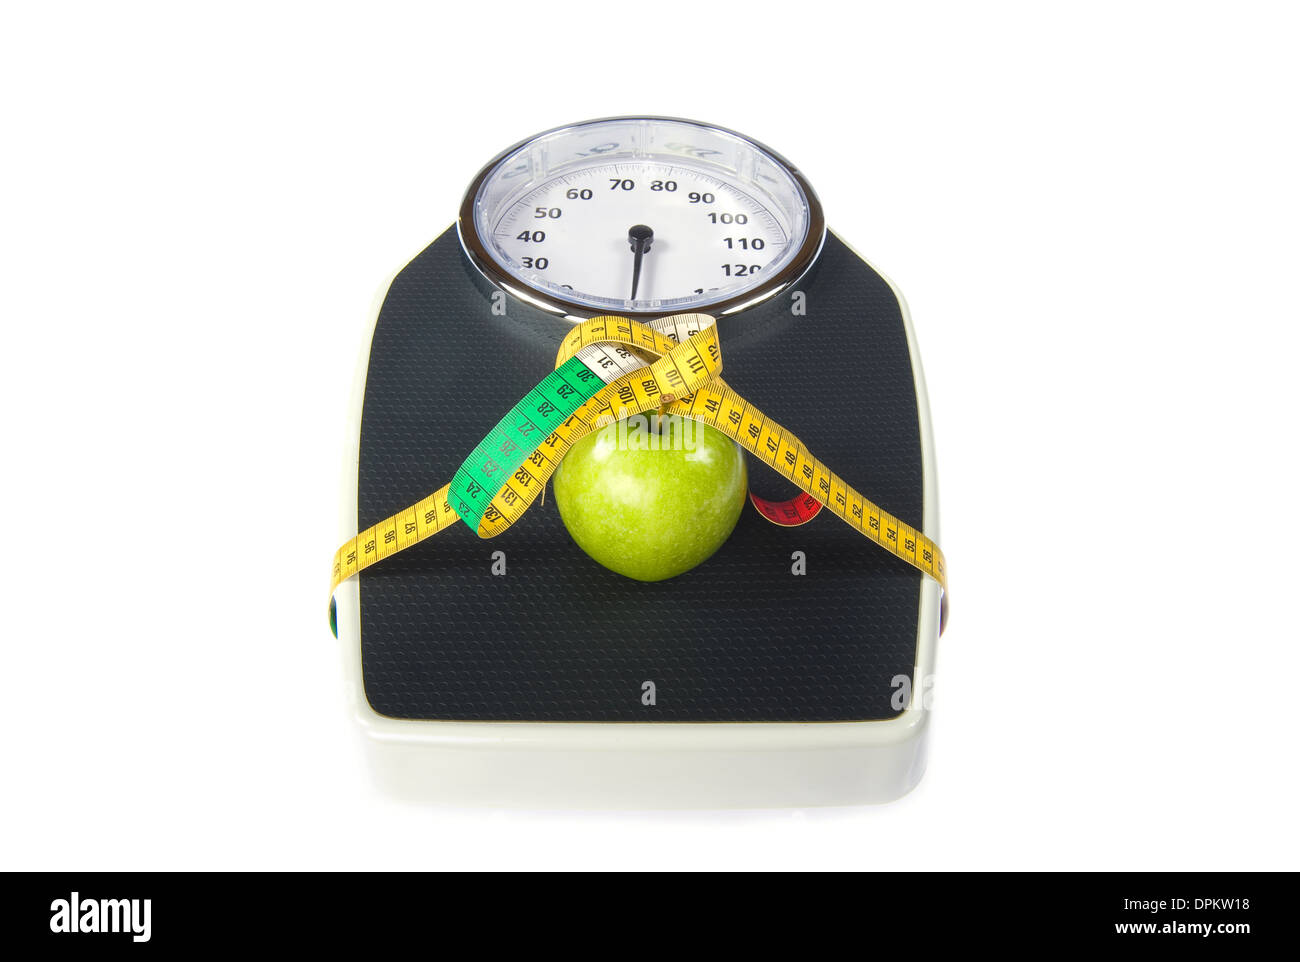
(609, 368)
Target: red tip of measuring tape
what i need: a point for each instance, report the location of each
(788, 514)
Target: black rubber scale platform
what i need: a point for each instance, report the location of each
(559, 638)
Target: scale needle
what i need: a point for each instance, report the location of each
(640, 238)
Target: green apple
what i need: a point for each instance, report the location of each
(651, 497)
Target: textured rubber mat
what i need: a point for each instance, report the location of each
(559, 638)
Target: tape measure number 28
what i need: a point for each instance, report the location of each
(609, 368)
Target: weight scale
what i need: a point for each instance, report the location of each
(794, 666)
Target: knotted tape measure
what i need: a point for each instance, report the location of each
(609, 368)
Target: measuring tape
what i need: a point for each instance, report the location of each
(610, 368)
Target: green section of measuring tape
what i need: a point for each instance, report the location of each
(516, 436)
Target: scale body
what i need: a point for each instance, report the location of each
(792, 668)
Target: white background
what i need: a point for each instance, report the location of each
(1094, 215)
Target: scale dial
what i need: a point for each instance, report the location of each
(641, 216)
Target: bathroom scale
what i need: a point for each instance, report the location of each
(640, 271)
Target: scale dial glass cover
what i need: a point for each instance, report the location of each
(555, 219)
